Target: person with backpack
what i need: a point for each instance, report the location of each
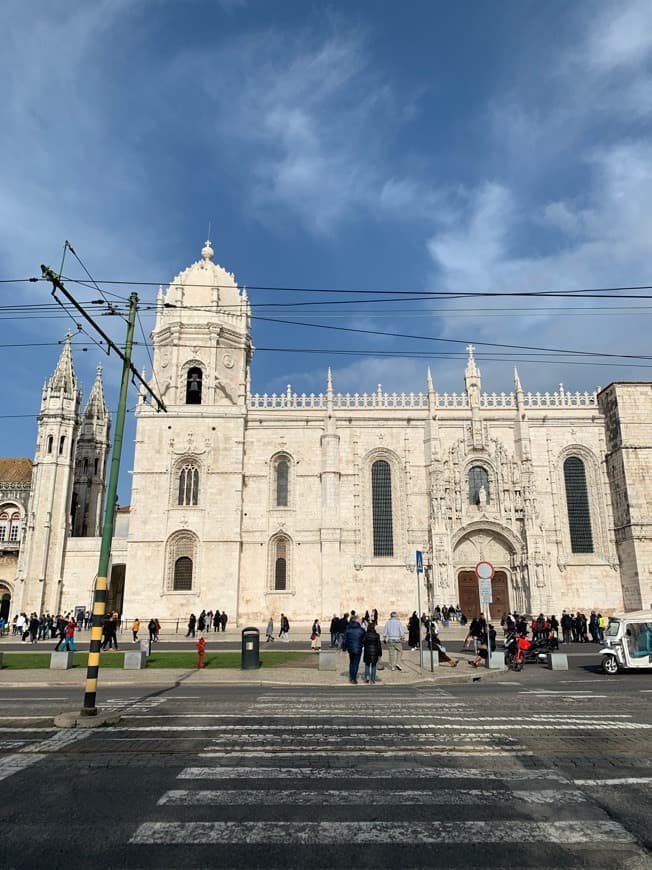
(352, 643)
(285, 629)
(372, 650)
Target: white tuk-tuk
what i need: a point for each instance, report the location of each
(628, 639)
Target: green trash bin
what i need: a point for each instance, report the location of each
(250, 648)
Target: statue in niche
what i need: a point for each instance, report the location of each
(482, 498)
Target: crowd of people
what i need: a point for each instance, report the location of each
(207, 621)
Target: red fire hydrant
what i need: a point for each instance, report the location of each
(201, 651)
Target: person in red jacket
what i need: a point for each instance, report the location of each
(69, 640)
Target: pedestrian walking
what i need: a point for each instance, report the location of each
(393, 634)
(269, 631)
(285, 629)
(61, 624)
(352, 643)
(135, 628)
(315, 636)
(414, 638)
(69, 640)
(372, 650)
(224, 619)
(335, 621)
(109, 632)
(192, 622)
(152, 629)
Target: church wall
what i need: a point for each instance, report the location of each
(362, 580)
(628, 411)
(164, 443)
(577, 581)
(80, 570)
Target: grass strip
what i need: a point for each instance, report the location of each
(176, 660)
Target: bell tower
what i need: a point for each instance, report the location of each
(48, 516)
(90, 464)
(188, 476)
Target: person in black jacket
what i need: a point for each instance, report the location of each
(352, 643)
(335, 621)
(372, 650)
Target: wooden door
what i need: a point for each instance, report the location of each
(500, 595)
(469, 594)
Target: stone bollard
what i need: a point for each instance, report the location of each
(135, 661)
(497, 661)
(558, 661)
(61, 661)
(327, 660)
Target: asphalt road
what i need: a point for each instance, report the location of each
(539, 769)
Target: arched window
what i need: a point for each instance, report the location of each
(577, 502)
(188, 485)
(381, 502)
(62, 444)
(282, 482)
(14, 527)
(193, 386)
(478, 479)
(182, 574)
(181, 562)
(4, 526)
(85, 465)
(50, 440)
(281, 565)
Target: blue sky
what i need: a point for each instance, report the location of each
(466, 146)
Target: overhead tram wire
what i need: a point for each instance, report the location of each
(452, 340)
(383, 292)
(601, 292)
(91, 279)
(147, 347)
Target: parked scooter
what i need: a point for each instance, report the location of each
(519, 650)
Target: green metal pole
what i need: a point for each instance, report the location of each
(99, 598)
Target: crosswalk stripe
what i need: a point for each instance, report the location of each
(505, 773)
(410, 833)
(589, 725)
(383, 751)
(625, 780)
(364, 797)
(30, 754)
(401, 723)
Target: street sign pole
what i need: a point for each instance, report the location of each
(484, 571)
(419, 570)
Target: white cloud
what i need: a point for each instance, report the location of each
(593, 231)
(621, 36)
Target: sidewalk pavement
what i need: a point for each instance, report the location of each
(411, 674)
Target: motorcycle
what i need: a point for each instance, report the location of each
(519, 650)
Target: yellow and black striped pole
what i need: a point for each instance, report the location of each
(99, 598)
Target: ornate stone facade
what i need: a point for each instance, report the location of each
(313, 504)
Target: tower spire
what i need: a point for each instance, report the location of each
(96, 405)
(63, 380)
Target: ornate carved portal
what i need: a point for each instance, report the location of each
(480, 545)
(469, 596)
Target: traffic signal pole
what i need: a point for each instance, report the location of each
(99, 598)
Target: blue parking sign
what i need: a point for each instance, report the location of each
(419, 562)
